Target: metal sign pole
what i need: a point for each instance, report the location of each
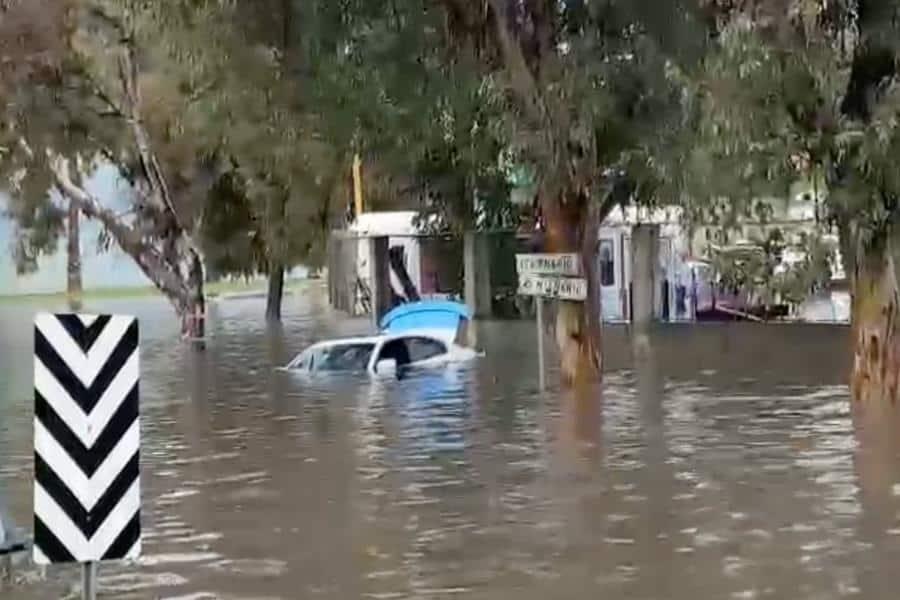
(540, 341)
(542, 276)
(89, 581)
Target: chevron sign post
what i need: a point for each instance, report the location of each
(86, 440)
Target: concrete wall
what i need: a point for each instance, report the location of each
(478, 264)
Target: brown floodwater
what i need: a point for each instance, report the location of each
(724, 464)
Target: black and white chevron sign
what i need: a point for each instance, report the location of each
(86, 438)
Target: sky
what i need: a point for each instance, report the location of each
(99, 269)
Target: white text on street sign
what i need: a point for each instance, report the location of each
(548, 264)
(563, 288)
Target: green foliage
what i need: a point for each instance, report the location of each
(219, 103)
(232, 245)
(255, 110)
(787, 100)
(775, 269)
(786, 93)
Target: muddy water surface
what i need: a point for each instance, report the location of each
(726, 466)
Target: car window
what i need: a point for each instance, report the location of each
(302, 364)
(424, 348)
(344, 357)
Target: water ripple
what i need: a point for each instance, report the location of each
(728, 465)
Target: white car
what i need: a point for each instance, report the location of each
(382, 354)
(424, 334)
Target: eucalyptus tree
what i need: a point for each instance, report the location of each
(808, 89)
(97, 94)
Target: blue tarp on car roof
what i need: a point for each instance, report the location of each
(426, 314)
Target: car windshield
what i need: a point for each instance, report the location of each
(343, 357)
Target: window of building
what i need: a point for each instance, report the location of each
(607, 263)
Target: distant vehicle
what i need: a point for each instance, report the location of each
(421, 335)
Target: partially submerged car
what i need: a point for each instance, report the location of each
(426, 334)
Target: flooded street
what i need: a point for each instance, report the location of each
(727, 466)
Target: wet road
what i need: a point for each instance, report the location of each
(727, 466)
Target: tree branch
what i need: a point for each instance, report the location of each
(148, 258)
(90, 206)
(113, 107)
(159, 189)
(522, 79)
(494, 17)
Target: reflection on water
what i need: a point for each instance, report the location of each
(725, 463)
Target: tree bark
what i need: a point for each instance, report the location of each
(521, 39)
(74, 287)
(874, 277)
(874, 324)
(194, 321)
(276, 213)
(570, 228)
(275, 294)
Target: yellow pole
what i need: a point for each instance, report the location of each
(357, 185)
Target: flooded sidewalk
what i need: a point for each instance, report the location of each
(726, 465)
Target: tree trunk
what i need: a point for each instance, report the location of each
(571, 228)
(193, 314)
(73, 267)
(276, 213)
(275, 293)
(874, 324)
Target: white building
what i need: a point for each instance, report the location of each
(680, 258)
(681, 261)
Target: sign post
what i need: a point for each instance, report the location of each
(540, 342)
(87, 502)
(549, 276)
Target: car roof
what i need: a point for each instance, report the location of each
(438, 334)
(374, 339)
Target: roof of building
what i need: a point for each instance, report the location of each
(397, 222)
